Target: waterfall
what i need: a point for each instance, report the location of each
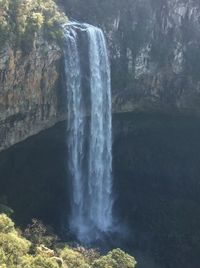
(89, 130)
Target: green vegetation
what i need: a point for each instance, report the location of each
(116, 259)
(21, 21)
(42, 250)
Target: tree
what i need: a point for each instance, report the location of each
(12, 245)
(15, 251)
(115, 259)
(73, 259)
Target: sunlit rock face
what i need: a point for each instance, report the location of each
(154, 48)
(29, 90)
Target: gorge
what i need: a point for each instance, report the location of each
(154, 54)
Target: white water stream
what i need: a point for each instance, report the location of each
(89, 137)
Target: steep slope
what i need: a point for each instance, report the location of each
(154, 46)
(29, 68)
(154, 49)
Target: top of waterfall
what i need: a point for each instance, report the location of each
(80, 26)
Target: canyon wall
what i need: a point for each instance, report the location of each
(155, 58)
(155, 51)
(29, 90)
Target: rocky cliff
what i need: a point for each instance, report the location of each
(28, 91)
(30, 63)
(155, 51)
(155, 58)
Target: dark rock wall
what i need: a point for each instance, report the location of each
(156, 185)
(155, 51)
(156, 181)
(33, 178)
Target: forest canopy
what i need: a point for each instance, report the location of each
(22, 20)
(41, 250)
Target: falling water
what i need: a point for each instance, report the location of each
(89, 133)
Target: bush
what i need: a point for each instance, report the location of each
(39, 234)
(22, 20)
(15, 251)
(115, 259)
(12, 245)
(90, 254)
(6, 224)
(38, 261)
(73, 259)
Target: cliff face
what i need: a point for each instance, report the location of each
(28, 91)
(155, 58)
(155, 51)
(156, 181)
(29, 68)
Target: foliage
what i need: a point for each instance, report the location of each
(23, 20)
(115, 259)
(38, 261)
(74, 259)
(12, 245)
(90, 254)
(39, 234)
(15, 251)
(6, 224)
(4, 22)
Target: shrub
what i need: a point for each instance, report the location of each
(38, 261)
(39, 234)
(6, 224)
(115, 259)
(12, 245)
(90, 254)
(73, 259)
(22, 20)
(15, 251)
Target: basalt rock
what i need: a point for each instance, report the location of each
(154, 48)
(29, 90)
(155, 63)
